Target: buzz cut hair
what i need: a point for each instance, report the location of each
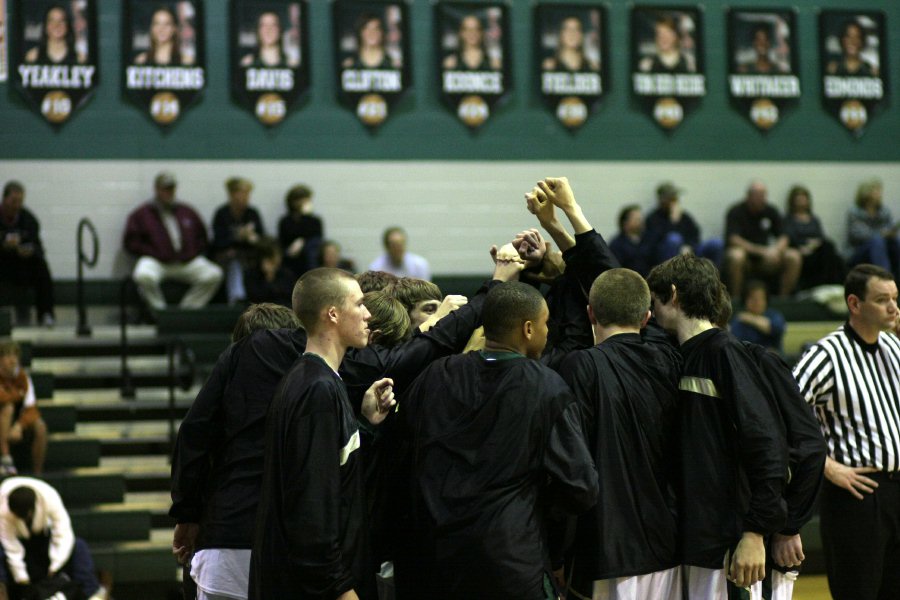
(316, 291)
(620, 297)
(507, 306)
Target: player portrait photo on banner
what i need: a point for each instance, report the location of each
(474, 60)
(763, 60)
(668, 71)
(55, 55)
(569, 52)
(163, 56)
(372, 57)
(269, 56)
(853, 56)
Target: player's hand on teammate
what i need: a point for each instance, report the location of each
(530, 246)
(850, 478)
(506, 268)
(450, 303)
(748, 563)
(378, 400)
(787, 550)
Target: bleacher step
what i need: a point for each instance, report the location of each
(88, 485)
(135, 446)
(136, 561)
(137, 410)
(111, 522)
(66, 451)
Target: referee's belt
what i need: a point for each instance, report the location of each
(885, 475)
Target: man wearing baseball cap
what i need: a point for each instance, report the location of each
(670, 230)
(169, 238)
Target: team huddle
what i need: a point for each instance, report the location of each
(606, 439)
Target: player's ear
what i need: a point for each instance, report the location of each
(646, 318)
(591, 316)
(528, 329)
(332, 314)
(674, 296)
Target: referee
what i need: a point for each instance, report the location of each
(852, 376)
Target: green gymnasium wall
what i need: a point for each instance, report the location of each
(421, 128)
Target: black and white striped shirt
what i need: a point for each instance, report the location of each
(855, 388)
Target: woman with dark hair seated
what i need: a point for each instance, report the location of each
(821, 262)
(299, 231)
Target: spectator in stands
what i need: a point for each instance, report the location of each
(168, 238)
(237, 229)
(821, 262)
(270, 280)
(757, 244)
(330, 256)
(873, 235)
(757, 322)
(630, 245)
(20, 420)
(42, 554)
(22, 258)
(670, 230)
(396, 260)
(299, 231)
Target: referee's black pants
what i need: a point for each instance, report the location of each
(861, 540)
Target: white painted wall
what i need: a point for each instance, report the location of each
(453, 211)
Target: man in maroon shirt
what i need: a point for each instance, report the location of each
(168, 238)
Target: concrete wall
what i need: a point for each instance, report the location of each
(453, 211)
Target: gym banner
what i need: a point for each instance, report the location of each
(571, 59)
(163, 56)
(853, 54)
(372, 55)
(763, 61)
(269, 56)
(55, 55)
(4, 57)
(668, 75)
(474, 61)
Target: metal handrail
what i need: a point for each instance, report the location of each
(177, 347)
(85, 224)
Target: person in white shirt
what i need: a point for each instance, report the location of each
(38, 541)
(396, 260)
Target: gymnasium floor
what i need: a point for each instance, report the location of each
(811, 587)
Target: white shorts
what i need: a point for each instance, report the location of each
(712, 584)
(661, 585)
